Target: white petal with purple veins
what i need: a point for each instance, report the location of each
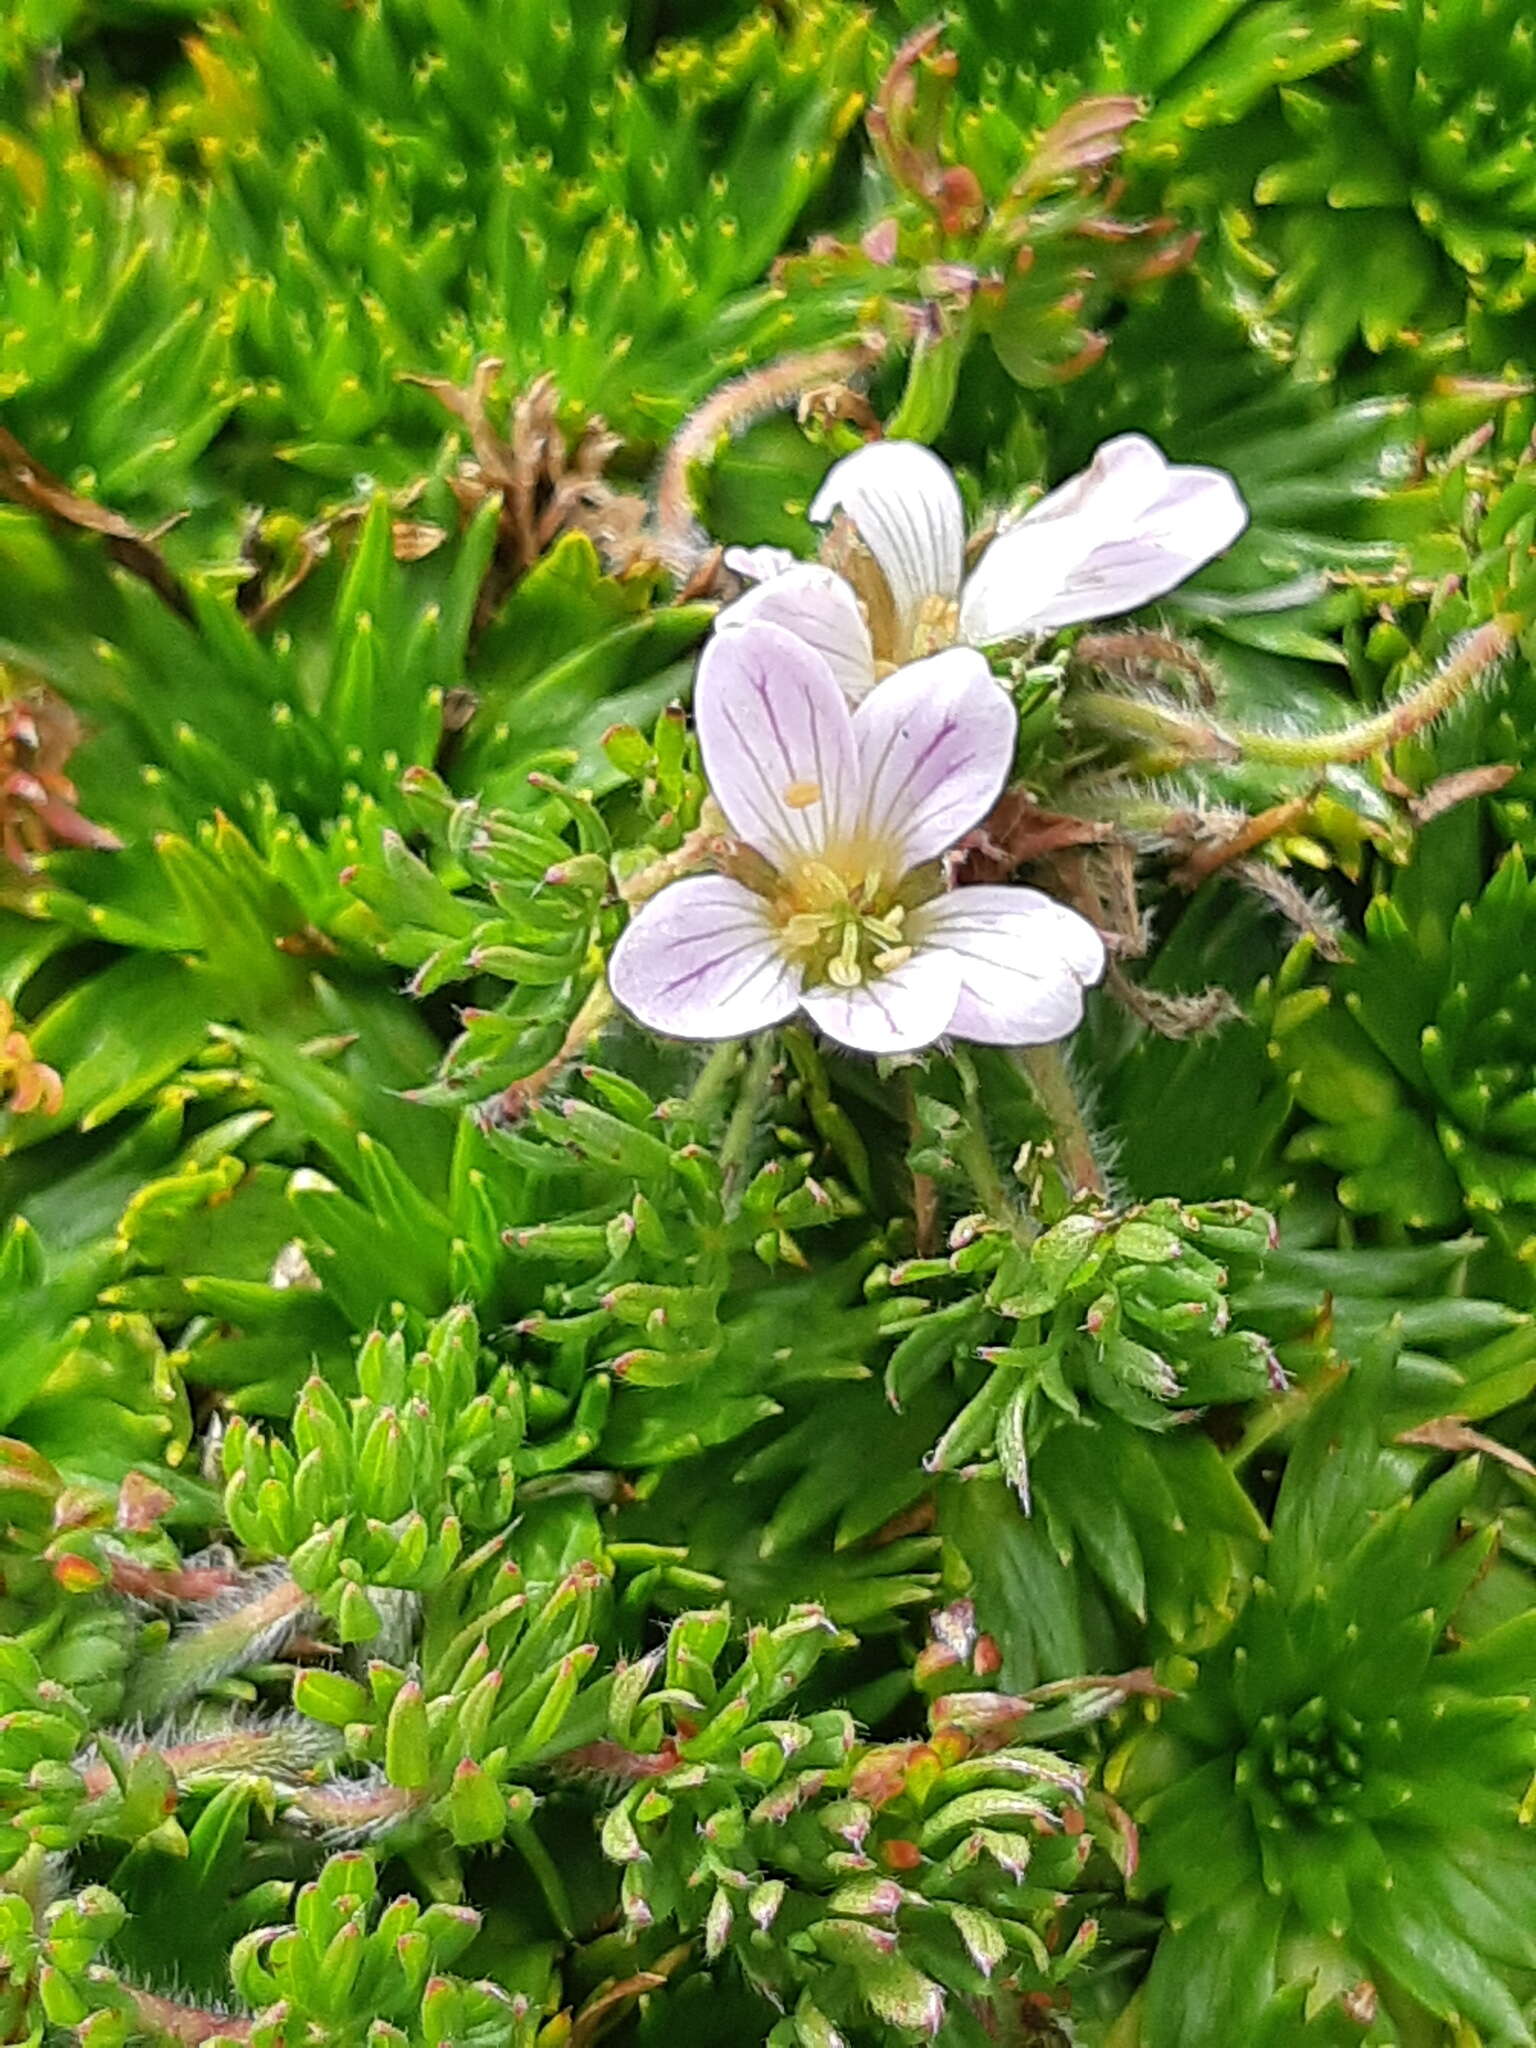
(898, 1012)
(1024, 961)
(701, 960)
(935, 749)
(1128, 529)
(1128, 473)
(777, 741)
(818, 605)
(906, 507)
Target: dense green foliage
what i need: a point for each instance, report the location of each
(516, 1533)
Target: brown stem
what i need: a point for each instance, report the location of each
(1266, 825)
(1124, 654)
(685, 859)
(589, 1020)
(185, 1583)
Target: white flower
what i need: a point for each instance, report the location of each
(837, 905)
(1125, 530)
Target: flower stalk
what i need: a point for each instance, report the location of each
(1050, 1076)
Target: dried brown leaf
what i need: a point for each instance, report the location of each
(1455, 1434)
(1460, 788)
(26, 482)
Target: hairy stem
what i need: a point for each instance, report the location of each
(932, 379)
(834, 1126)
(715, 1078)
(750, 1104)
(925, 1191)
(280, 1749)
(1396, 721)
(259, 1620)
(596, 1011)
(686, 859)
(1254, 832)
(973, 1149)
(732, 409)
(1181, 736)
(1046, 1069)
(1173, 735)
(352, 1809)
(184, 2023)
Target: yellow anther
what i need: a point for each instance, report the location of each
(803, 932)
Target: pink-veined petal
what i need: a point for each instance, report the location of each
(819, 607)
(898, 1012)
(1128, 529)
(1128, 474)
(935, 748)
(756, 565)
(1024, 960)
(906, 507)
(777, 741)
(701, 960)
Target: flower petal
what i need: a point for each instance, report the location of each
(1129, 528)
(1024, 962)
(935, 749)
(777, 741)
(701, 960)
(757, 565)
(899, 1012)
(1126, 475)
(907, 509)
(819, 606)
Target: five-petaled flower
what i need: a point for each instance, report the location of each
(833, 897)
(1127, 529)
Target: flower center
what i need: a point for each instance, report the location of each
(841, 921)
(936, 626)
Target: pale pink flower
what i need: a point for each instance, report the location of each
(834, 901)
(1127, 529)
